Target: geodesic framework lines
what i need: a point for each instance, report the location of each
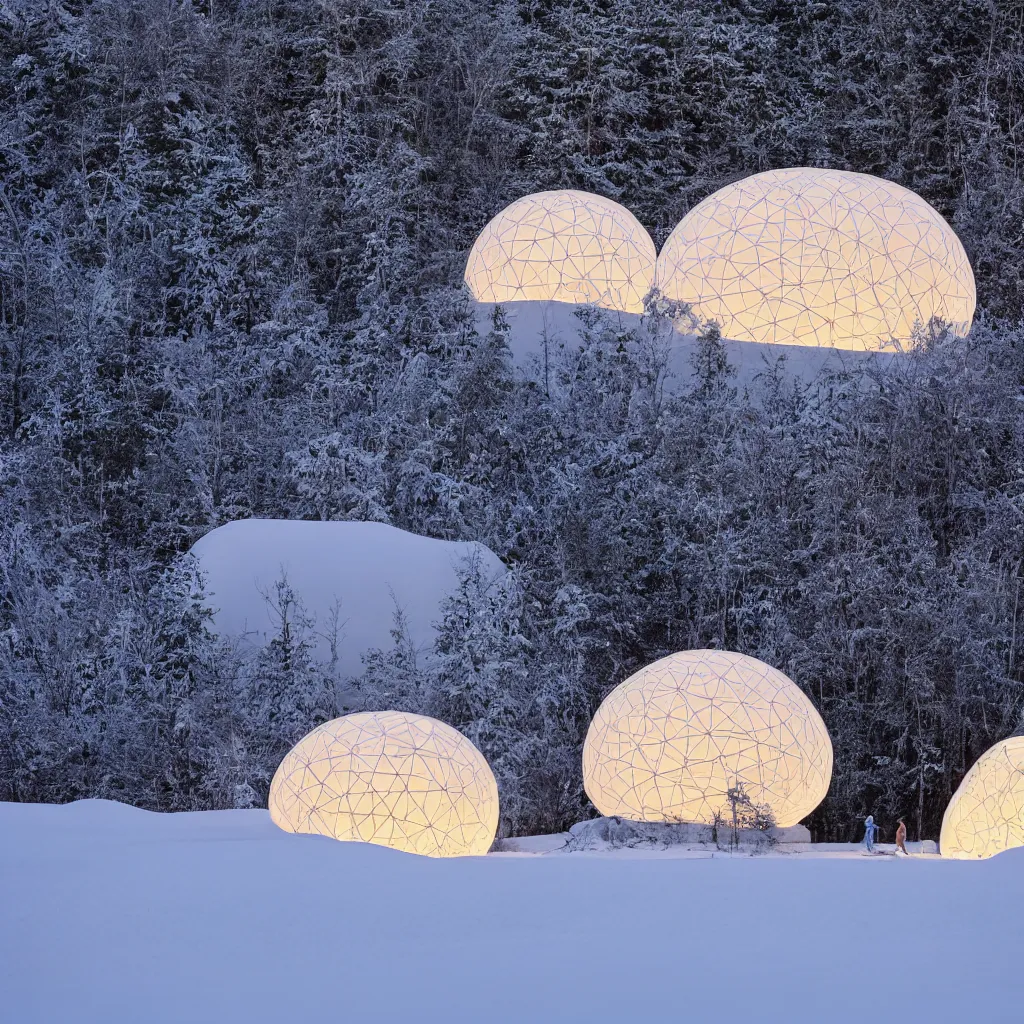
(669, 742)
(566, 246)
(805, 256)
(398, 780)
(986, 814)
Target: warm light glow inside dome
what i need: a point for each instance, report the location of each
(394, 779)
(818, 257)
(671, 741)
(565, 246)
(986, 814)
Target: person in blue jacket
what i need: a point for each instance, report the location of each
(870, 828)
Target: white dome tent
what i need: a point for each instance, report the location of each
(563, 246)
(805, 256)
(986, 813)
(669, 743)
(391, 779)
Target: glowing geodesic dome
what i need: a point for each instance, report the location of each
(566, 246)
(671, 741)
(390, 778)
(818, 257)
(986, 814)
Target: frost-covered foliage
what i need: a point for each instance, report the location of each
(231, 235)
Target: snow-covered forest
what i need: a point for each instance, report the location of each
(232, 234)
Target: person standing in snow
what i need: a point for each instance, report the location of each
(870, 828)
(901, 837)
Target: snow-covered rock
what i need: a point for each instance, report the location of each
(363, 568)
(614, 833)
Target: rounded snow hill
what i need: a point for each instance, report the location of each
(363, 569)
(534, 325)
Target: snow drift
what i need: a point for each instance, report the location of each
(534, 325)
(363, 569)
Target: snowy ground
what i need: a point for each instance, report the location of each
(110, 914)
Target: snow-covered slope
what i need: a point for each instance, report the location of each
(532, 323)
(366, 567)
(114, 915)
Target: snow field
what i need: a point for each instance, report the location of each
(110, 914)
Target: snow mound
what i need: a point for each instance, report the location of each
(362, 568)
(219, 916)
(532, 324)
